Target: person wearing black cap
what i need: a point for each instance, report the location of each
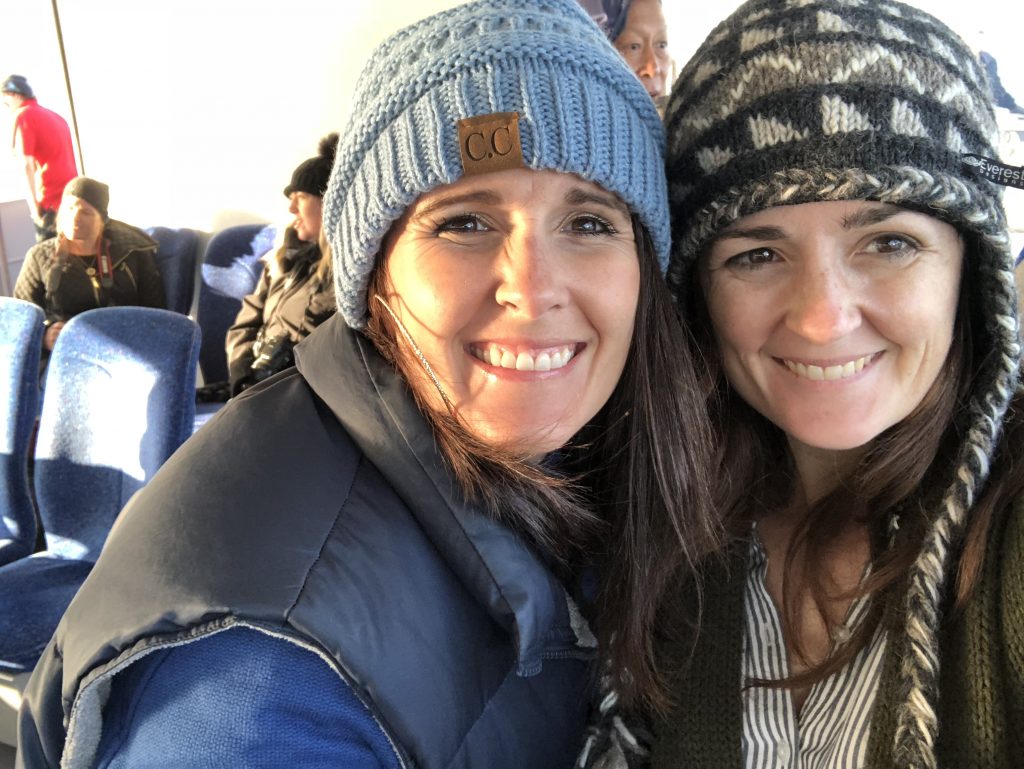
(93, 261)
(295, 293)
(42, 142)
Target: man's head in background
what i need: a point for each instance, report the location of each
(638, 31)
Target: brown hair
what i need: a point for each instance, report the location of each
(899, 478)
(630, 494)
(289, 243)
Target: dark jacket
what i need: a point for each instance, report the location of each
(60, 284)
(289, 302)
(981, 713)
(316, 508)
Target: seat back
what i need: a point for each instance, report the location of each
(231, 267)
(21, 332)
(176, 258)
(120, 398)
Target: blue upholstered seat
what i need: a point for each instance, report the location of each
(21, 331)
(176, 258)
(231, 267)
(119, 400)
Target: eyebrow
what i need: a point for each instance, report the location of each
(752, 233)
(862, 217)
(868, 215)
(446, 201)
(577, 196)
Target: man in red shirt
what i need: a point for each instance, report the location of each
(42, 141)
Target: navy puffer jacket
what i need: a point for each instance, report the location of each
(316, 508)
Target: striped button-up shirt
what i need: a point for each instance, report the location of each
(831, 730)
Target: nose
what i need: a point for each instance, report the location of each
(530, 281)
(650, 66)
(293, 206)
(824, 306)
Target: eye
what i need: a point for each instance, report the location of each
(753, 259)
(893, 245)
(462, 224)
(590, 224)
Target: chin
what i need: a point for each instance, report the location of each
(834, 439)
(534, 443)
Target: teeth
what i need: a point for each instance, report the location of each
(548, 360)
(828, 373)
(524, 362)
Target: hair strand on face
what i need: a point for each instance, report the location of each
(419, 353)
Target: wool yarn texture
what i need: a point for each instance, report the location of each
(581, 111)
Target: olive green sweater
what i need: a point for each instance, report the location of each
(981, 708)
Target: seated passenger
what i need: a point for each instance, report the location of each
(94, 261)
(371, 559)
(296, 290)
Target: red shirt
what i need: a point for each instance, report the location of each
(45, 138)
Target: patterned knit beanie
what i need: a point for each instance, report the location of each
(580, 110)
(796, 101)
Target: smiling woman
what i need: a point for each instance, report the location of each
(846, 274)
(378, 558)
(520, 288)
(833, 319)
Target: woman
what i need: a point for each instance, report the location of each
(94, 261)
(295, 293)
(374, 560)
(845, 266)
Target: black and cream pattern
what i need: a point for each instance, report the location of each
(792, 101)
(831, 93)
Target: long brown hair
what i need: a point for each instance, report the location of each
(630, 493)
(290, 242)
(893, 490)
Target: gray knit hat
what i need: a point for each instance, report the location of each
(580, 110)
(795, 101)
(93, 192)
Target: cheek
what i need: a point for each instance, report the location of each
(437, 297)
(613, 307)
(730, 314)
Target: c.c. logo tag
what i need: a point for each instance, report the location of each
(490, 143)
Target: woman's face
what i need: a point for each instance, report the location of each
(833, 319)
(79, 220)
(520, 287)
(308, 212)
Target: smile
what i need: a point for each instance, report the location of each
(547, 359)
(829, 373)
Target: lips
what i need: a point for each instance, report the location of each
(829, 373)
(521, 359)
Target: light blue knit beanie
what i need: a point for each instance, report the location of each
(581, 111)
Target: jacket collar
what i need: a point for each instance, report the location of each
(373, 403)
(123, 239)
